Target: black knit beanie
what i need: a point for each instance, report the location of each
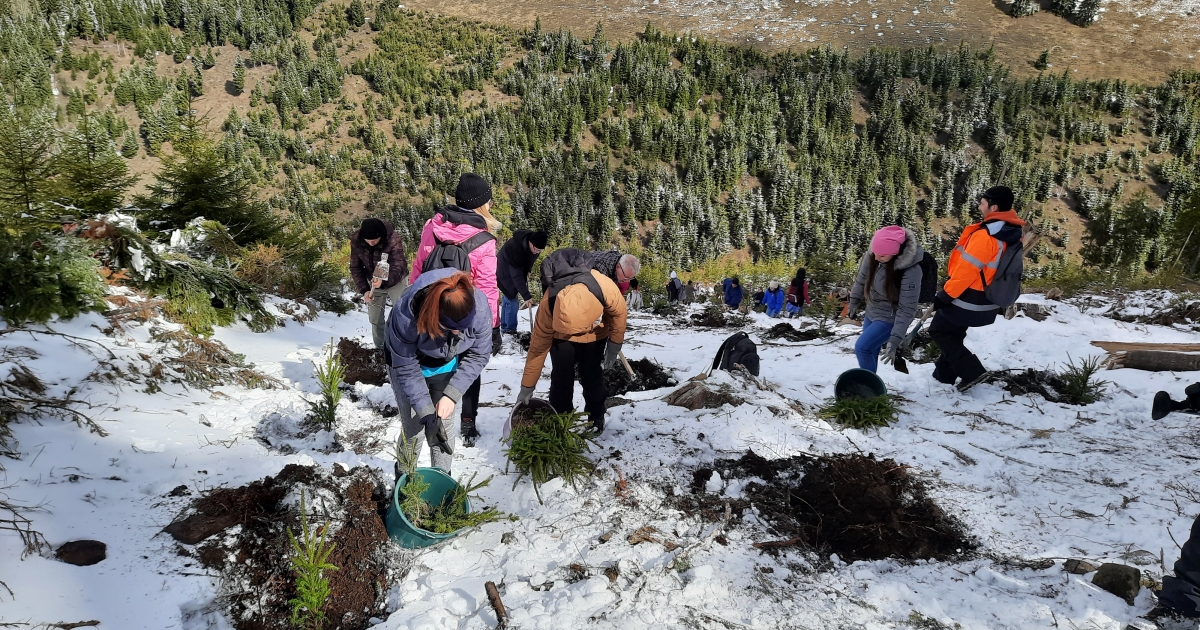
(472, 191)
(1001, 196)
(372, 229)
(538, 240)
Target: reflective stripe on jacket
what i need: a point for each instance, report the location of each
(973, 264)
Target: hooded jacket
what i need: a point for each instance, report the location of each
(577, 316)
(798, 295)
(363, 259)
(971, 267)
(473, 347)
(733, 293)
(773, 298)
(455, 225)
(879, 308)
(513, 264)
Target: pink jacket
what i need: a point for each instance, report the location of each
(483, 259)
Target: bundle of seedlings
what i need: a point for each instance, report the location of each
(446, 517)
(546, 445)
(861, 413)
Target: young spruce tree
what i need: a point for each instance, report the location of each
(94, 177)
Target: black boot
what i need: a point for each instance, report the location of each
(1193, 396)
(597, 422)
(1163, 404)
(469, 432)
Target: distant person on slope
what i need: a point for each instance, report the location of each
(797, 294)
(513, 265)
(773, 299)
(373, 240)
(732, 288)
(689, 293)
(674, 286)
(962, 304)
(581, 324)
(440, 339)
(889, 281)
(457, 237)
(633, 299)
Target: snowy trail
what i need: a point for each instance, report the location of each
(1030, 478)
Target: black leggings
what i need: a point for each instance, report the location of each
(564, 357)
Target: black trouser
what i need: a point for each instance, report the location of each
(470, 399)
(1181, 593)
(955, 361)
(564, 356)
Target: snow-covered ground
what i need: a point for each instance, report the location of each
(1031, 479)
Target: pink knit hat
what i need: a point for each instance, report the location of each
(887, 241)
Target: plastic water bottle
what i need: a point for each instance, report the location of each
(382, 269)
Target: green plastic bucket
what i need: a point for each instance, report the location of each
(441, 487)
(858, 383)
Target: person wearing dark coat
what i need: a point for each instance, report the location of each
(373, 239)
(1180, 594)
(618, 267)
(733, 292)
(513, 265)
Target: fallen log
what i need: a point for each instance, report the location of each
(1159, 361)
(1121, 346)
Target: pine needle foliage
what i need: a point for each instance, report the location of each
(450, 515)
(310, 561)
(41, 278)
(329, 377)
(554, 445)
(1079, 385)
(861, 413)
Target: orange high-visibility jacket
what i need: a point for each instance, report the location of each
(975, 258)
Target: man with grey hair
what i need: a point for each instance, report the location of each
(620, 268)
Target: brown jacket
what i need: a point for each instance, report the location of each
(578, 316)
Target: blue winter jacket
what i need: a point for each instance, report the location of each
(473, 347)
(733, 294)
(773, 299)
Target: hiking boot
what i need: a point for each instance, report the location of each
(1163, 405)
(1193, 396)
(597, 422)
(469, 432)
(943, 377)
(966, 385)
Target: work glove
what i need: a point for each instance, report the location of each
(851, 309)
(890, 351)
(611, 352)
(497, 341)
(525, 396)
(941, 301)
(435, 434)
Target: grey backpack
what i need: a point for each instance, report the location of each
(1005, 286)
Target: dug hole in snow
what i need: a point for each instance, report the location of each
(1031, 482)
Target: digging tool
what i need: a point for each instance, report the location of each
(901, 364)
(628, 368)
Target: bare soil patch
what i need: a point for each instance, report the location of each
(253, 558)
(647, 375)
(857, 507)
(362, 363)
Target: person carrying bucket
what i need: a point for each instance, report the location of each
(889, 281)
(440, 339)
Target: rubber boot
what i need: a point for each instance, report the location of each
(597, 422)
(1163, 405)
(469, 432)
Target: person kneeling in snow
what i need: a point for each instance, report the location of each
(581, 322)
(889, 278)
(440, 339)
(773, 299)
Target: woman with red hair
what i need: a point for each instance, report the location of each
(439, 340)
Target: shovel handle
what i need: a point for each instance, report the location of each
(628, 368)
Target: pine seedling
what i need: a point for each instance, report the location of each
(310, 561)
(860, 413)
(1079, 383)
(553, 446)
(414, 506)
(329, 377)
(407, 452)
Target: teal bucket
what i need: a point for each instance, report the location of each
(441, 487)
(858, 383)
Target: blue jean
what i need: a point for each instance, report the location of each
(795, 310)
(772, 312)
(874, 336)
(509, 308)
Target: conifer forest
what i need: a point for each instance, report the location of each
(680, 149)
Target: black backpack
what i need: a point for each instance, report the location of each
(929, 279)
(447, 255)
(737, 349)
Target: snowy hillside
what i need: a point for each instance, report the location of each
(1030, 479)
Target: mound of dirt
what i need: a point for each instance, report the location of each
(253, 559)
(1044, 383)
(647, 375)
(1183, 313)
(787, 332)
(858, 507)
(699, 395)
(362, 363)
(715, 316)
